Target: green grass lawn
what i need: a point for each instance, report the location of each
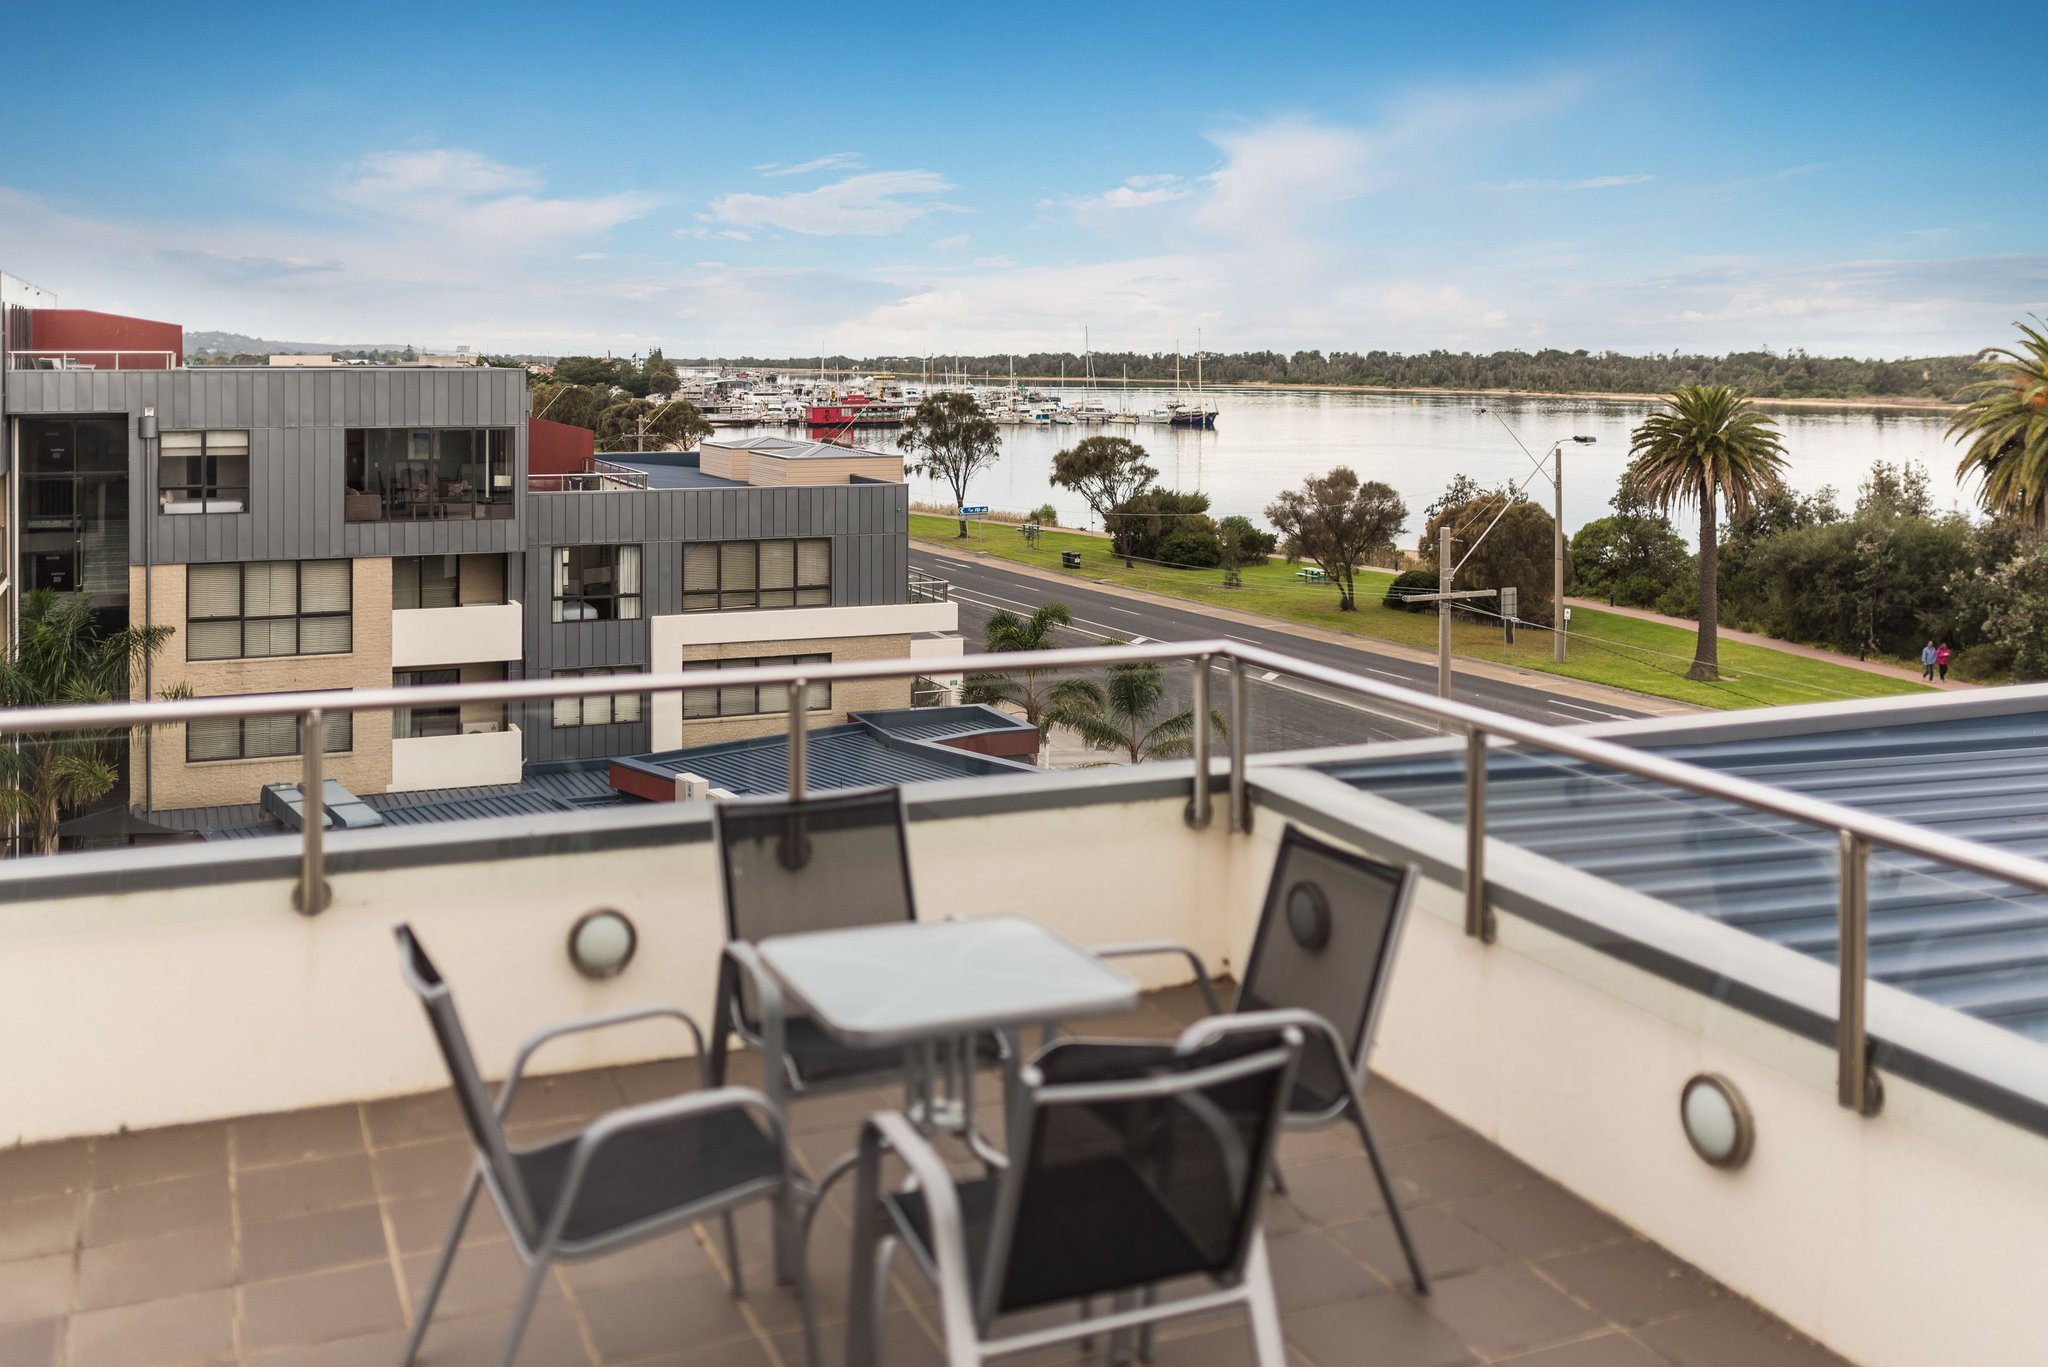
(1605, 647)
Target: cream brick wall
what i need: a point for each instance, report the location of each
(866, 695)
(366, 768)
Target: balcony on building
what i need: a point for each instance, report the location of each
(231, 1117)
(437, 474)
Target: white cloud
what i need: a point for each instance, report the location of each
(871, 205)
(736, 235)
(467, 196)
(953, 243)
(994, 262)
(1138, 192)
(831, 161)
(1276, 175)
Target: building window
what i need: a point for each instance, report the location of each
(221, 738)
(426, 581)
(596, 711)
(268, 607)
(749, 701)
(597, 583)
(203, 472)
(413, 474)
(412, 723)
(719, 576)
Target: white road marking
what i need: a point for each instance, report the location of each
(1581, 707)
(1268, 676)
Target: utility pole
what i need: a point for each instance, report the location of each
(1445, 569)
(1557, 634)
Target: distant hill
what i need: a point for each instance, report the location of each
(236, 343)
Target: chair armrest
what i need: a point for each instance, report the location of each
(602, 1021)
(738, 961)
(891, 1131)
(1147, 948)
(624, 1121)
(1278, 1019)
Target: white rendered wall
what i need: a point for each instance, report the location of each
(469, 761)
(482, 633)
(162, 1006)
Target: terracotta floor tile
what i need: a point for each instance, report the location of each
(300, 1244)
(1735, 1332)
(155, 1269)
(144, 1212)
(45, 1169)
(1379, 1331)
(295, 1136)
(172, 1333)
(1508, 1309)
(154, 1155)
(1632, 1282)
(295, 1311)
(35, 1288)
(288, 1189)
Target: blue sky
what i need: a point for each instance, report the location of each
(929, 180)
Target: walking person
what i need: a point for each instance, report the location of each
(1927, 657)
(1941, 659)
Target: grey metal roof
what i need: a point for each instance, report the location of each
(664, 476)
(552, 789)
(1953, 938)
(942, 723)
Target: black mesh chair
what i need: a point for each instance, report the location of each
(1121, 1178)
(826, 863)
(1324, 945)
(631, 1175)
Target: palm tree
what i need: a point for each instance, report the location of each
(60, 658)
(1120, 716)
(2006, 420)
(1707, 445)
(1007, 632)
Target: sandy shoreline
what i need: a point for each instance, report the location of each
(1897, 404)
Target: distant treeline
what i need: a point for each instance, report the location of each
(1767, 374)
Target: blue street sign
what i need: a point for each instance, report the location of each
(978, 510)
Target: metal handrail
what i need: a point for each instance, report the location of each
(1857, 832)
(25, 360)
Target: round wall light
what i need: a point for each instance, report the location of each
(602, 942)
(1717, 1120)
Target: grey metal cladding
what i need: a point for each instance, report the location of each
(1958, 939)
(297, 420)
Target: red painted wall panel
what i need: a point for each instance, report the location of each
(92, 337)
(558, 448)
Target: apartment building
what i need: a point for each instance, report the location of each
(369, 526)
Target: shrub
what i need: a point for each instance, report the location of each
(1044, 513)
(1194, 546)
(1408, 583)
(1254, 546)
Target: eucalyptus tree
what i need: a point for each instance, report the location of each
(949, 437)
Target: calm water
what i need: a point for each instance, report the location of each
(1267, 440)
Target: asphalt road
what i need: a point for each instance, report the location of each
(1285, 713)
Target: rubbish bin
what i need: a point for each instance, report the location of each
(1070, 560)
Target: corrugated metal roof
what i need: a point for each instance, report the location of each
(1953, 938)
(942, 723)
(855, 755)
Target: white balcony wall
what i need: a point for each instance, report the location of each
(425, 637)
(467, 761)
(1911, 1238)
(211, 997)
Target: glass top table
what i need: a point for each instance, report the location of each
(884, 986)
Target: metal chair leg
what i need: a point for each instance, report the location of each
(786, 1214)
(441, 1269)
(785, 1235)
(732, 1255)
(1268, 1348)
(1386, 1181)
(864, 1304)
(528, 1294)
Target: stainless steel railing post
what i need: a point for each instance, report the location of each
(1240, 807)
(1478, 915)
(311, 895)
(798, 759)
(1198, 798)
(1855, 1087)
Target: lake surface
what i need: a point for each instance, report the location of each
(1267, 440)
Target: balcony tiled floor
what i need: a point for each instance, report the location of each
(302, 1240)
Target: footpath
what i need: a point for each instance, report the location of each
(1773, 643)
